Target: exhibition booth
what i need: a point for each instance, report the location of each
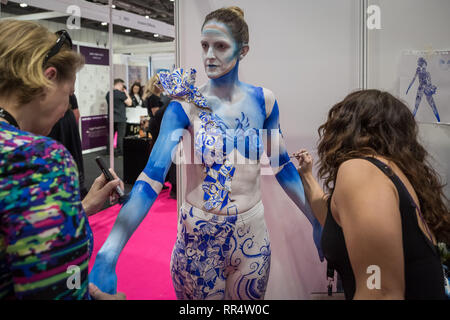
(309, 53)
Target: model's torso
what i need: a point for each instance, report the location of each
(240, 121)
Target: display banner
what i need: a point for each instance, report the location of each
(95, 56)
(94, 131)
(93, 84)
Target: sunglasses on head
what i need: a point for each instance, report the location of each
(64, 38)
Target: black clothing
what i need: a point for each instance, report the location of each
(66, 131)
(155, 122)
(120, 117)
(156, 119)
(153, 102)
(119, 105)
(136, 102)
(424, 278)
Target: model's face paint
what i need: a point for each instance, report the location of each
(220, 52)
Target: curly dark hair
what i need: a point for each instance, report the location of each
(370, 123)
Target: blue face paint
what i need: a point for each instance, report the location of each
(229, 78)
(220, 50)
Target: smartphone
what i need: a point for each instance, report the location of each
(109, 177)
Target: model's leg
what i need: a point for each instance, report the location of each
(418, 100)
(433, 107)
(249, 264)
(197, 261)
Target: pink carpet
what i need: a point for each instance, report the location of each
(143, 271)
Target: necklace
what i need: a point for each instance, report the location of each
(8, 117)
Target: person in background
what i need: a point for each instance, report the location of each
(66, 131)
(136, 95)
(121, 100)
(153, 97)
(44, 230)
(384, 209)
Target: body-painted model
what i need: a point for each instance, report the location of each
(222, 249)
(425, 87)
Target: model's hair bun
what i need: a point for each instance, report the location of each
(233, 17)
(237, 11)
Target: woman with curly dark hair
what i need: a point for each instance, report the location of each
(384, 210)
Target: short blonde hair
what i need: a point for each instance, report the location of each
(23, 47)
(151, 88)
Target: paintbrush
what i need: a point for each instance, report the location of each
(295, 156)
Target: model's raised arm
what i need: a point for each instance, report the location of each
(142, 197)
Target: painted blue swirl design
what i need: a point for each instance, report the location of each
(181, 84)
(210, 252)
(211, 142)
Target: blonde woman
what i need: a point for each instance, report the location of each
(44, 231)
(152, 96)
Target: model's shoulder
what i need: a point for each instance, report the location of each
(269, 100)
(181, 109)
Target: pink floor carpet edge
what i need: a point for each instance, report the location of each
(143, 269)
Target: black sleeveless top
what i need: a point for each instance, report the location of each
(424, 277)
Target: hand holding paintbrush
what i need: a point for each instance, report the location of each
(305, 161)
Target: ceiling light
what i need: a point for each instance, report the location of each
(127, 30)
(113, 6)
(104, 23)
(23, 5)
(147, 17)
(156, 35)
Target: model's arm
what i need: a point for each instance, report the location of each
(142, 197)
(286, 173)
(366, 204)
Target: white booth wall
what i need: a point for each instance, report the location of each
(306, 52)
(413, 25)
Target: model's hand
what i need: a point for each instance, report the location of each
(103, 275)
(305, 162)
(97, 294)
(101, 191)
